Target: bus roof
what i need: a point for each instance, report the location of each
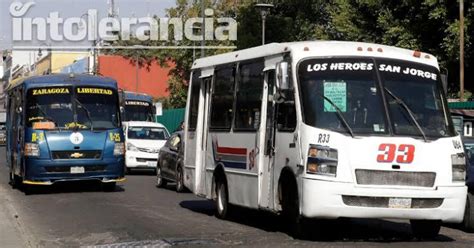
(63, 79)
(305, 49)
(136, 96)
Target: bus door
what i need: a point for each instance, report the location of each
(16, 129)
(267, 143)
(201, 158)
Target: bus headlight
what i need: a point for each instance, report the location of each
(131, 147)
(458, 162)
(322, 160)
(119, 149)
(32, 150)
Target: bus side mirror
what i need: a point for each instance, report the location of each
(444, 81)
(19, 110)
(283, 82)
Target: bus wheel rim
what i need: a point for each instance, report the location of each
(221, 199)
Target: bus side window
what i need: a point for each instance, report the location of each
(194, 101)
(286, 113)
(249, 96)
(222, 100)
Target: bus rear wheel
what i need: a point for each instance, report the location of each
(222, 199)
(425, 229)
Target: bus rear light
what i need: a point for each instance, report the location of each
(306, 49)
(427, 56)
(417, 54)
(32, 150)
(119, 149)
(380, 50)
(360, 49)
(370, 49)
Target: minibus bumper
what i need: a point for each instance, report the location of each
(47, 172)
(326, 199)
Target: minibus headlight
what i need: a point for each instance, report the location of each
(32, 150)
(322, 160)
(119, 149)
(131, 147)
(458, 162)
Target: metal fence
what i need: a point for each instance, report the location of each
(171, 118)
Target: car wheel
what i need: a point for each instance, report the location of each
(425, 229)
(160, 182)
(222, 199)
(179, 179)
(468, 221)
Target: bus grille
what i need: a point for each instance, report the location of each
(92, 154)
(397, 178)
(67, 169)
(383, 202)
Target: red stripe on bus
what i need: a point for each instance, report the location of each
(231, 150)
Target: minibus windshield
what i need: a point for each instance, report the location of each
(98, 107)
(138, 111)
(54, 108)
(358, 88)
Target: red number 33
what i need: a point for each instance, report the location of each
(404, 154)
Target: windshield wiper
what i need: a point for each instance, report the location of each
(410, 113)
(339, 114)
(46, 116)
(88, 113)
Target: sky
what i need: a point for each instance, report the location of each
(75, 8)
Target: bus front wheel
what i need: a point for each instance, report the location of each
(425, 229)
(109, 187)
(222, 199)
(15, 181)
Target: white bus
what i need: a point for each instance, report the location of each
(325, 129)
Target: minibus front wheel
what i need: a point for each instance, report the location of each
(425, 229)
(15, 181)
(109, 187)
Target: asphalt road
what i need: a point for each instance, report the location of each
(139, 214)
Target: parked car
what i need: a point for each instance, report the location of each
(143, 143)
(170, 162)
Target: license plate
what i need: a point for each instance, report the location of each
(399, 203)
(152, 163)
(77, 170)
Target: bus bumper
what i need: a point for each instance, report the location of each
(325, 199)
(47, 172)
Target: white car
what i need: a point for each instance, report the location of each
(143, 143)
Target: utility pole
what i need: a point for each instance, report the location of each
(264, 9)
(203, 28)
(461, 49)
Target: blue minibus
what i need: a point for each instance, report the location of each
(64, 127)
(137, 106)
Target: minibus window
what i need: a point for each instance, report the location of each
(102, 105)
(49, 107)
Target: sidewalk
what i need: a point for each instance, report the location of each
(10, 235)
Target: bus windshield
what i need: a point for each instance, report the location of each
(97, 108)
(60, 108)
(147, 133)
(138, 111)
(412, 93)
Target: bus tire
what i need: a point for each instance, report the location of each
(160, 181)
(109, 187)
(179, 179)
(468, 221)
(425, 229)
(222, 199)
(15, 181)
(291, 209)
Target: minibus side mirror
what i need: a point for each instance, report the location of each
(283, 82)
